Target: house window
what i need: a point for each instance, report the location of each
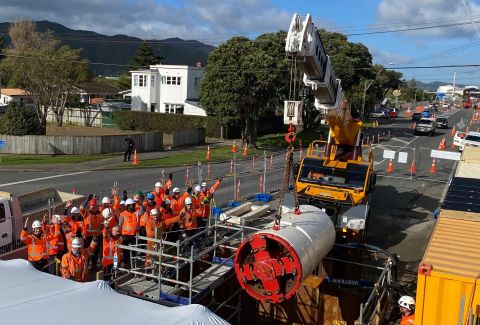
(142, 80)
(2, 212)
(171, 80)
(173, 109)
(152, 81)
(135, 80)
(196, 82)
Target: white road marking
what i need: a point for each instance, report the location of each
(43, 178)
(406, 145)
(399, 140)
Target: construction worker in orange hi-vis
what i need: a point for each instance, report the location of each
(112, 254)
(109, 218)
(154, 222)
(74, 264)
(129, 225)
(206, 194)
(151, 204)
(56, 244)
(407, 308)
(159, 191)
(197, 200)
(176, 199)
(93, 224)
(74, 224)
(188, 218)
(37, 244)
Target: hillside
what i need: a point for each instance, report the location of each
(119, 49)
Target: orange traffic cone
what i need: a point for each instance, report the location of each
(208, 153)
(433, 167)
(245, 152)
(234, 147)
(390, 167)
(442, 144)
(135, 158)
(452, 133)
(453, 145)
(412, 167)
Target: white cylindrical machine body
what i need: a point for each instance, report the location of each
(271, 264)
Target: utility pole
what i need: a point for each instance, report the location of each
(453, 89)
(365, 92)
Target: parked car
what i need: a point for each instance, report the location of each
(379, 114)
(471, 139)
(393, 112)
(416, 116)
(425, 126)
(441, 122)
(427, 114)
(459, 138)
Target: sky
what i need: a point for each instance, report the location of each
(414, 42)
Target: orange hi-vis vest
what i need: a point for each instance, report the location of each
(76, 268)
(55, 244)
(408, 320)
(129, 222)
(146, 216)
(177, 204)
(93, 224)
(110, 248)
(189, 219)
(37, 247)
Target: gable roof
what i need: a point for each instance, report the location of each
(97, 88)
(13, 92)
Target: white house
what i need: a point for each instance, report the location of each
(167, 89)
(18, 95)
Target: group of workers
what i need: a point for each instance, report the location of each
(92, 231)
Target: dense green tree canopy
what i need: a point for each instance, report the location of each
(144, 57)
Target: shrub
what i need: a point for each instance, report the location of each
(166, 123)
(20, 120)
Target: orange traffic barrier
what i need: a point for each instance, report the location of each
(208, 170)
(231, 166)
(412, 167)
(234, 147)
(208, 153)
(245, 151)
(135, 157)
(433, 168)
(452, 133)
(238, 190)
(260, 189)
(390, 167)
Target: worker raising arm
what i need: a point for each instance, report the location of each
(75, 263)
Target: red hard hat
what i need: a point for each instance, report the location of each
(92, 202)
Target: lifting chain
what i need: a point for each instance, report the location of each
(289, 170)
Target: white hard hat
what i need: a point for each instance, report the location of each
(122, 202)
(197, 188)
(105, 200)
(57, 216)
(74, 210)
(176, 190)
(106, 213)
(36, 224)
(153, 212)
(158, 184)
(407, 302)
(77, 242)
(129, 201)
(204, 184)
(188, 200)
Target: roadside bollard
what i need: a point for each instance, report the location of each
(231, 166)
(238, 190)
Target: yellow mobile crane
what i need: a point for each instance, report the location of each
(337, 174)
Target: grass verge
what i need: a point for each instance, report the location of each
(222, 153)
(46, 159)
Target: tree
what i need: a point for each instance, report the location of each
(44, 68)
(144, 57)
(19, 120)
(244, 80)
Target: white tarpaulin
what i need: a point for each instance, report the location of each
(28, 296)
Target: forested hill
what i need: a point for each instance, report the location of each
(119, 49)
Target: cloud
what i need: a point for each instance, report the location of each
(387, 58)
(211, 20)
(414, 13)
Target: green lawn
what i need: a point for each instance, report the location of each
(46, 159)
(222, 153)
(278, 141)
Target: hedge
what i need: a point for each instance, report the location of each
(166, 123)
